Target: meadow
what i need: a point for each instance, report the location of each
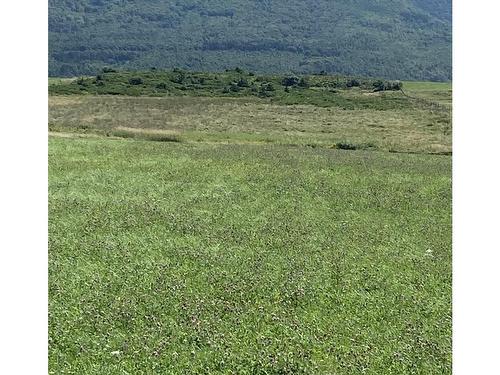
(314, 111)
(237, 235)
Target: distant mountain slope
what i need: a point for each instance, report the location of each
(407, 39)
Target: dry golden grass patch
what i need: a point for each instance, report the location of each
(250, 120)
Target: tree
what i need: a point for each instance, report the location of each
(234, 87)
(290, 81)
(242, 82)
(304, 82)
(378, 85)
(353, 83)
(136, 81)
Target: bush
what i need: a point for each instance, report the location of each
(136, 81)
(179, 77)
(345, 146)
(242, 82)
(267, 86)
(234, 87)
(304, 82)
(157, 137)
(395, 85)
(266, 90)
(290, 81)
(387, 85)
(353, 83)
(162, 86)
(162, 138)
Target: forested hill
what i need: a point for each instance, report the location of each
(394, 39)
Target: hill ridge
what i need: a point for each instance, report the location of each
(409, 39)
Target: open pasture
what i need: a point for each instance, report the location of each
(206, 224)
(250, 120)
(247, 259)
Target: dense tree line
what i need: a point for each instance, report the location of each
(408, 39)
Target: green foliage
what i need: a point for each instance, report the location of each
(234, 87)
(162, 86)
(313, 89)
(304, 82)
(242, 82)
(136, 81)
(387, 85)
(290, 81)
(353, 83)
(407, 39)
(346, 146)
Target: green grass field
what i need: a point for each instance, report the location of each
(235, 236)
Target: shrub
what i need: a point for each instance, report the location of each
(345, 146)
(234, 87)
(162, 137)
(162, 86)
(387, 85)
(394, 85)
(242, 82)
(267, 86)
(179, 77)
(266, 90)
(136, 81)
(290, 81)
(304, 82)
(157, 137)
(353, 83)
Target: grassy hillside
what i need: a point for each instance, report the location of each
(408, 39)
